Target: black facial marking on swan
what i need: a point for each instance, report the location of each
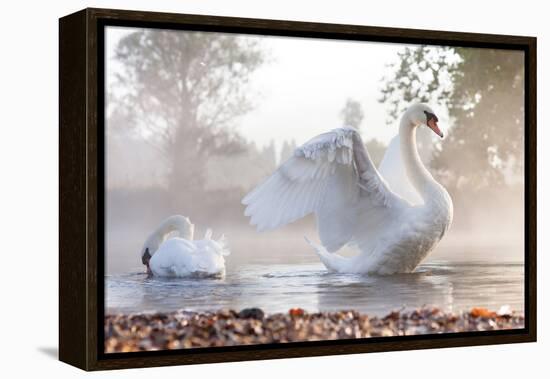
(430, 116)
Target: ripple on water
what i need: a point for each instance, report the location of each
(276, 288)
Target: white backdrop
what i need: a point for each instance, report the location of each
(28, 201)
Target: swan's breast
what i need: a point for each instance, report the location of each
(416, 235)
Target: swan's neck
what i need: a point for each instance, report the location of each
(417, 173)
(181, 225)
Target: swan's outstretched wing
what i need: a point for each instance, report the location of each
(332, 176)
(298, 187)
(393, 171)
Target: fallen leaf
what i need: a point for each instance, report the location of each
(296, 312)
(482, 312)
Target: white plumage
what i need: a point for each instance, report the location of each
(170, 251)
(395, 223)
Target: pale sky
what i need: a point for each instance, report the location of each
(308, 83)
(303, 88)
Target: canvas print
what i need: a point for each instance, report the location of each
(266, 190)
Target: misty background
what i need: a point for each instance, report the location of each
(195, 120)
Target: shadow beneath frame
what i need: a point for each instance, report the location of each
(50, 351)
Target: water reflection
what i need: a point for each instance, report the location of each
(276, 288)
(378, 295)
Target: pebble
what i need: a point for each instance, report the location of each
(184, 329)
(254, 313)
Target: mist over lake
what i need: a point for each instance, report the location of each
(196, 120)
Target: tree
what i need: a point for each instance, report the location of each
(483, 92)
(182, 92)
(352, 114)
(423, 74)
(487, 106)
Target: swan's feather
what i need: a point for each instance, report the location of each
(180, 257)
(336, 213)
(322, 178)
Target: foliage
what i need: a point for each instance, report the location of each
(483, 92)
(352, 114)
(489, 119)
(423, 74)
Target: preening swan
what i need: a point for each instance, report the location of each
(170, 251)
(334, 177)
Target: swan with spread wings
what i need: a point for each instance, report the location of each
(395, 216)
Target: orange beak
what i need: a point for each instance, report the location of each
(432, 124)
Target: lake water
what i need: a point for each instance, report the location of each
(450, 286)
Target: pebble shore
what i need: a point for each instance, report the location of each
(183, 329)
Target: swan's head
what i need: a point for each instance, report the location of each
(145, 258)
(149, 248)
(422, 114)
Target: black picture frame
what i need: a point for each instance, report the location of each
(81, 186)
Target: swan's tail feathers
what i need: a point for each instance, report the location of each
(224, 249)
(319, 249)
(218, 246)
(333, 262)
(314, 246)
